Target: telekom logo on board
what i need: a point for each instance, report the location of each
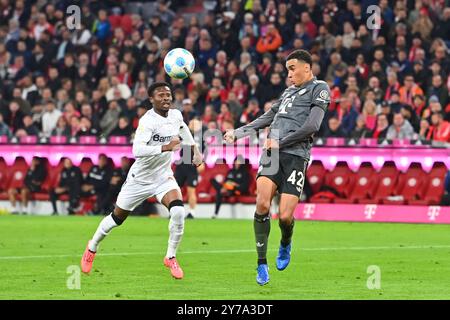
(433, 212)
(370, 210)
(308, 210)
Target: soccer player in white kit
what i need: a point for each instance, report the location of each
(151, 175)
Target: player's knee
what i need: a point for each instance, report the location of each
(176, 209)
(262, 204)
(285, 218)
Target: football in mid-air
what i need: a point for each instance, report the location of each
(179, 63)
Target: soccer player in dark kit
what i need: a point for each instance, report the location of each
(293, 120)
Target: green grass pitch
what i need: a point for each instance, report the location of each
(329, 260)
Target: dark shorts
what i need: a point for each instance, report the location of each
(32, 187)
(186, 174)
(289, 174)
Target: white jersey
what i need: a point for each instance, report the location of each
(153, 132)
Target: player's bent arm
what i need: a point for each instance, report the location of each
(311, 125)
(140, 147)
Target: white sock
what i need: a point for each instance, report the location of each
(192, 211)
(16, 207)
(103, 230)
(176, 230)
(26, 209)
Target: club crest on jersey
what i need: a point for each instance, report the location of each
(301, 92)
(324, 94)
(158, 138)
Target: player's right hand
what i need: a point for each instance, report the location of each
(173, 145)
(229, 136)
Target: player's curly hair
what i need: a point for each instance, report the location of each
(302, 55)
(156, 85)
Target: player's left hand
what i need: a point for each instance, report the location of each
(271, 144)
(197, 160)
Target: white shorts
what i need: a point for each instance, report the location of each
(133, 193)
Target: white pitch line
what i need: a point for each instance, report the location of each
(228, 251)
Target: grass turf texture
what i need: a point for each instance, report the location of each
(329, 260)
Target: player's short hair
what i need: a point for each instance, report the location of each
(156, 85)
(302, 55)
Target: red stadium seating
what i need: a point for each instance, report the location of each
(316, 175)
(341, 178)
(4, 179)
(408, 185)
(385, 182)
(364, 182)
(364, 186)
(433, 186)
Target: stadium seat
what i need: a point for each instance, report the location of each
(341, 179)
(384, 183)
(316, 175)
(362, 186)
(408, 185)
(4, 179)
(433, 186)
(205, 191)
(18, 172)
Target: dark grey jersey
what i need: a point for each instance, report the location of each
(294, 118)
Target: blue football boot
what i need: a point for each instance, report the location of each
(262, 276)
(284, 257)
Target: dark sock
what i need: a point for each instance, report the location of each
(261, 225)
(116, 219)
(287, 229)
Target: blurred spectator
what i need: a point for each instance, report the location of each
(334, 128)
(34, 178)
(123, 128)
(85, 128)
(251, 112)
(347, 115)
(236, 182)
(50, 118)
(188, 110)
(69, 183)
(118, 178)
(400, 128)
(224, 115)
(425, 130)
(269, 41)
(370, 114)
(97, 183)
(111, 118)
(381, 130)
(441, 131)
(4, 129)
(409, 114)
(445, 201)
(62, 128)
(28, 128)
(438, 89)
(409, 90)
(361, 130)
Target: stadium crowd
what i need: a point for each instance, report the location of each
(391, 82)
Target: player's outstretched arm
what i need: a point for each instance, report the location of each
(259, 123)
(311, 125)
